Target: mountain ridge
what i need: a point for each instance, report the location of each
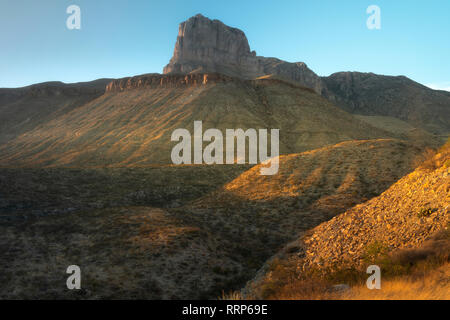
(136, 116)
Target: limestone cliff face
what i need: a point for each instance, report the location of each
(157, 80)
(209, 46)
(205, 46)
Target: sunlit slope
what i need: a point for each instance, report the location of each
(132, 126)
(404, 231)
(346, 173)
(265, 212)
(403, 216)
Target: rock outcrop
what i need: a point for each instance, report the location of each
(205, 46)
(166, 81)
(209, 46)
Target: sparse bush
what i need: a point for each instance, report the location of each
(436, 159)
(281, 274)
(375, 252)
(233, 295)
(428, 163)
(425, 212)
(345, 275)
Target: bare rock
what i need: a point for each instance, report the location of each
(209, 46)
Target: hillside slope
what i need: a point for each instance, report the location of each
(377, 95)
(265, 212)
(23, 109)
(404, 217)
(131, 124)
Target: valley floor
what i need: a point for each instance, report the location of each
(193, 232)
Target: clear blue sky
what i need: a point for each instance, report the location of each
(125, 38)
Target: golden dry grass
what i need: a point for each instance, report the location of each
(408, 274)
(434, 285)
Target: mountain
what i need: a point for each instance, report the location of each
(370, 94)
(205, 46)
(87, 168)
(132, 122)
(23, 109)
(213, 76)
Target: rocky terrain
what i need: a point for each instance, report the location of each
(403, 216)
(403, 221)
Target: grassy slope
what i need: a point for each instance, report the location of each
(24, 109)
(133, 127)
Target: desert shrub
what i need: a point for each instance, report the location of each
(269, 288)
(425, 212)
(375, 252)
(445, 148)
(304, 289)
(232, 295)
(432, 254)
(281, 273)
(345, 275)
(220, 270)
(428, 162)
(439, 158)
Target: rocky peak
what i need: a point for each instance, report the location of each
(205, 45)
(210, 46)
